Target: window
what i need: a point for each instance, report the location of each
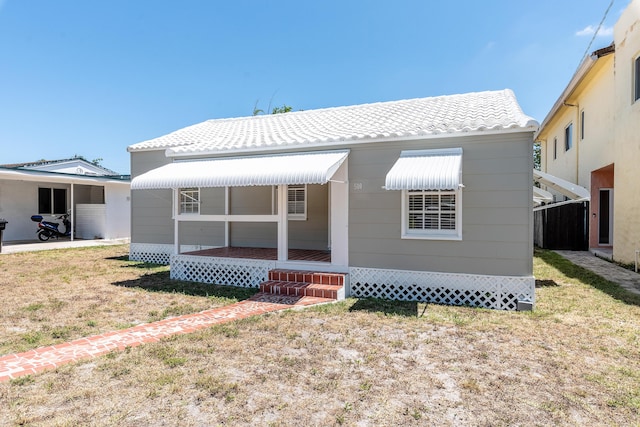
(432, 214)
(555, 148)
(581, 125)
(52, 201)
(568, 137)
(636, 78)
(297, 201)
(189, 200)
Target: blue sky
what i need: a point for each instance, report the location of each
(90, 78)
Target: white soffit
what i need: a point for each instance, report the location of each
(437, 169)
(301, 168)
(566, 188)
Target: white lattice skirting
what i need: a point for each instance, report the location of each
(248, 273)
(497, 292)
(150, 252)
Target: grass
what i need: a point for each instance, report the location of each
(575, 360)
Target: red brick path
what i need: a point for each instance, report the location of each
(34, 361)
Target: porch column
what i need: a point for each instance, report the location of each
(283, 224)
(339, 220)
(227, 211)
(176, 224)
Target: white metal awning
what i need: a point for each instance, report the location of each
(566, 188)
(285, 169)
(437, 169)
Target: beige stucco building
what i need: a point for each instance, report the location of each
(591, 138)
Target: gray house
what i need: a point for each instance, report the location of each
(423, 199)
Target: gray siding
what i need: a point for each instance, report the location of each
(202, 233)
(496, 209)
(497, 218)
(150, 209)
(314, 232)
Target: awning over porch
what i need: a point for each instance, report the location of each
(283, 169)
(437, 169)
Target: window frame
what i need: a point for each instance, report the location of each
(555, 148)
(54, 196)
(581, 125)
(297, 190)
(189, 197)
(432, 233)
(636, 80)
(568, 137)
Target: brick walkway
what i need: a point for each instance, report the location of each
(627, 279)
(40, 359)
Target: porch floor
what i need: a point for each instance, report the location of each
(270, 254)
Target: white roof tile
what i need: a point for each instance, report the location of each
(490, 112)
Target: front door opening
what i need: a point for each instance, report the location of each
(605, 221)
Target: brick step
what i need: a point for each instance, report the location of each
(308, 277)
(302, 289)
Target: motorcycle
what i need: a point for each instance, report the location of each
(48, 229)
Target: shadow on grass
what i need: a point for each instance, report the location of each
(161, 282)
(546, 283)
(118, 258)
(386, 307)
(587, 277)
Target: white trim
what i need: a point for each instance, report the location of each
(435, 169)
(434, 234)
(566, 188)
(316, 167)
(283, 224)
(555, 205)
(298, 216)
(232, 218)
(339, 217)
(497, 292)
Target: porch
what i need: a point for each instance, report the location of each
(270, 254)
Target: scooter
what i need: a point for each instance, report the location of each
(48, 229)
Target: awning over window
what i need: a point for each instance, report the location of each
(438, 169)
(302, 168)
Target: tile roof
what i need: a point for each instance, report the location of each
(490, 112)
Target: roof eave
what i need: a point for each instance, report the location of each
(530, 126)
(578, 77)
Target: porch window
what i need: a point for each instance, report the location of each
(431, 214)
(189, 200)
(297, 202)
(52, 201)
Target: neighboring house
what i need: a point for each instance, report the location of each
(422, 199)
(590, 138)
(98, 199)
